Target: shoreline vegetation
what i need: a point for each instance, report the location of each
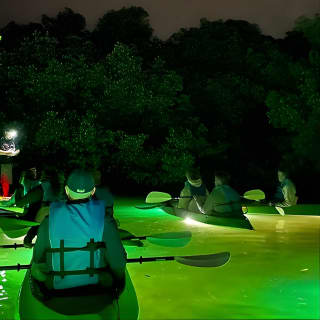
(220, 96)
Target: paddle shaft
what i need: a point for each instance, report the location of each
(140, 260)
(20, 245)
(156, 197)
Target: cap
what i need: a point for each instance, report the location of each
(80, 184)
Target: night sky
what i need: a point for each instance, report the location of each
(275, 17)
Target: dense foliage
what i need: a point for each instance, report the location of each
(222, 95)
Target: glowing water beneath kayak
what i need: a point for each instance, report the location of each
(273, 272)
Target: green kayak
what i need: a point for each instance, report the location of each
(84, 307)
(241, 222)
(299, 209)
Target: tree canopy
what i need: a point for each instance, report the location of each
(221, 95)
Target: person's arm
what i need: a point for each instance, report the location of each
(115, 254)
(201, 209)
(6, 153)
(289, 194)
(39, 267)
(34, 196)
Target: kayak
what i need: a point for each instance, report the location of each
(298, 209)
(14, 227)
(84, 307)
(241, 222)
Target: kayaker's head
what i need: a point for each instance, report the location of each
(10, 134)
(193, 176)
(31, 173)
(221, 177)
(80, 185)
(282, 175)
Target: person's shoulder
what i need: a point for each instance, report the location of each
(288, 182)
(58, 204)
(44, 225)
(186, 188)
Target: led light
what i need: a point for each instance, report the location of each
(192, 222)
(189, 221)
(13, 133)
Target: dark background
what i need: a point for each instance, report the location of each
(222, 95)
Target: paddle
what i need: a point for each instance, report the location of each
(280, 210)
(172, 239)
(12, 209)
(160, 197)
(207, 260)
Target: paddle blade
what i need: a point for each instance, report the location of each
(171, 239)
(208, 260)
(157, 197)
(255, 194)
(280, 210)
(132, 243)
(12, 209)
(147, 206)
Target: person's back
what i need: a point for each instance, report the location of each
(285, 195)
(194, 191)
(79, 222)
(223, 200)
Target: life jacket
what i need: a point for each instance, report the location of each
(226, 200)
(196, 191)
(278, 196)
(75, 234)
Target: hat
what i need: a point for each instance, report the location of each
(80, 184)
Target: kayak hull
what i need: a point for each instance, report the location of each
(241, 222)
(298, 209)
(91, 307)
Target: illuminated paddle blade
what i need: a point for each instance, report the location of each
(171, 239)
(280, 210)
(148, 206)
(208, 260)
(132, 243)
(16, 223)
(255, 194)
(12, 209)
(157, 197)
(15, 227)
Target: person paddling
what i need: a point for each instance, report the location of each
(38, 199)
(285, 195)
(97, 259)
(223, 200)
(194, 191)
(8, 149)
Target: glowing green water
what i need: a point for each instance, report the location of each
(273, 272)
